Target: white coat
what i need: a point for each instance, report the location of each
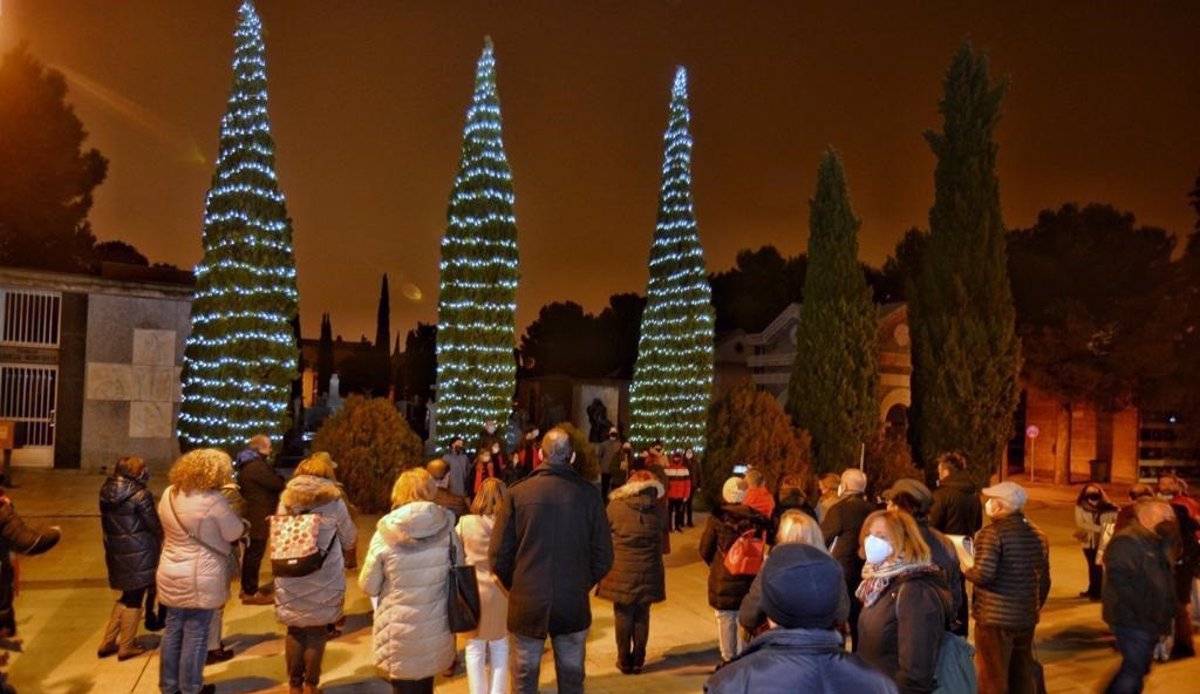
(191, 575)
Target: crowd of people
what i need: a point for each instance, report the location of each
(854, 592)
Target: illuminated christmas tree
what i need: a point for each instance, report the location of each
(476, 335)
(241, 355)
(672, 380)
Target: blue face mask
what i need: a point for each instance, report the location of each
(877, 549)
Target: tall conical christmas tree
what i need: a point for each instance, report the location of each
(672, 379)
(476, 334)
(241, 356)
(966, 354)
(832, 393)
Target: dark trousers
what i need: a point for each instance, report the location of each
(133, 598)
(424, 686)
(605, 485)
(251, 563)
(1137, 651)
(677, 508)
(963, 620)
(855, 610)
(633, 631)
(1095, 573)
(687, 510)
(302, 652)
(1184, 646)
(525, 654)
(1004, 660)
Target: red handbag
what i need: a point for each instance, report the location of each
(747, 554)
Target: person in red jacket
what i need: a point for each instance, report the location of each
(758, 497)
(679, 488)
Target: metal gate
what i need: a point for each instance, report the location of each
(27, 397)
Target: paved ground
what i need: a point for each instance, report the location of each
(65, 600)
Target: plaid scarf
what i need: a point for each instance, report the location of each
(877, 577)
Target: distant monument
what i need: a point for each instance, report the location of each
(334, 400)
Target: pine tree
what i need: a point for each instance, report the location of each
(966, 354)
(832, 393)
(476, 333)
(325, 355)
(672, 382)
(241, 355)
(383, 319)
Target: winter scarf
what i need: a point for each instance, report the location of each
(1097, 508)
(877, 577)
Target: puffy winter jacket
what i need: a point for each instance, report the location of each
(786, 661)
(132, 533)
(956, 508)
(1139, 589)
(900, 633)
(725, 526)
(190, 574)
(679, 479)
(316, 599)
(637, 576)
(1011, 573)
(407, 568)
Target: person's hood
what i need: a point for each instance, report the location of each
(246, 455)
(415, 523)
(961, 481)
(309, 491)
(734, 513)
(117, 489)
(632, 489)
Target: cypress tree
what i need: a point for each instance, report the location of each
(241, 355)
(673, 375)
(476, 332)
(833, 390)
(325, 355)
(383, 318)
(966, 354)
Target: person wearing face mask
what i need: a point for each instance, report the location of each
(485, 468)
(608, 451)
(458, 461)
(1186, 553)
(1011, 575)
(132, 543)
(1093, 511)
(1139, 590)
(906, 602)
(841, 528)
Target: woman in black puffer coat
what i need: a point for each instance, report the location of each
(637, 577)
(725, 590)
(132, 544)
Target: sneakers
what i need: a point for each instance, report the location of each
(219, 655)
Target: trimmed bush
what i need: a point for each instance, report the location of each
(372, 444)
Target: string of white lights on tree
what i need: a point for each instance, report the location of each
(672, 380)
(241, 355)
(476, 367)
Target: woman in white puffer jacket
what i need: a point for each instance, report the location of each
(407, 568)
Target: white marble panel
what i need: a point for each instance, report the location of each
(110, 382)
(154, 347)
(150, 420)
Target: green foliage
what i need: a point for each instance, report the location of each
(833, 389)
(564, 340)
(372, 444)
(476, 368)
(748, 426)
(46, 177)
(586, 463)
(966, 354)
(241, 356)
(887, 459)
(760, 286)
(672, 379)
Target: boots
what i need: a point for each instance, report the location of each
(109, 645)
(130, 617)
(309, 689)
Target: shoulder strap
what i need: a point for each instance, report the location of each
(191, 536)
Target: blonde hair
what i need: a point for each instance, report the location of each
(201, 470)
(906, 535)
(413, 485)
(491, 495)
(318, 464)
(797, 527)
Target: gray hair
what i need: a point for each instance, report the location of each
(556, 446)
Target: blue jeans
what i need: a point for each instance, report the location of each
(569, 650)
(1137, 650)
(184, 647)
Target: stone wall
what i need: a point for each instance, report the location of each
(1072, 438)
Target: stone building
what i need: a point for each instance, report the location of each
(89, 365)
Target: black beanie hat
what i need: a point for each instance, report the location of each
(803, 588)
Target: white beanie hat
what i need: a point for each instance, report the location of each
(734, 490)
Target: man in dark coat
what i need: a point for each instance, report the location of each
(1139, 590)
(439, 470)
(956, 508)
(841, 527)
(459, 463)
(550, 546)
(1011, 573)
(803, 595)
(260, 486)
(914, 498)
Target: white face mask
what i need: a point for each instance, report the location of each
(877, 549)
(839, 490)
